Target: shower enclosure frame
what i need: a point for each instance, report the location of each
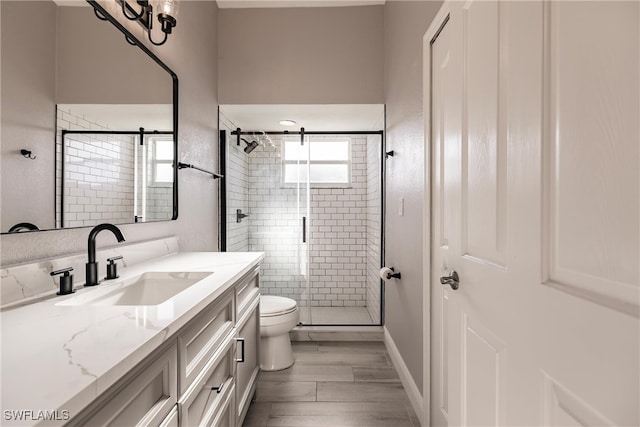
(238, 133)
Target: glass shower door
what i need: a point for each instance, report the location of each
(267, 209)
(295, 166)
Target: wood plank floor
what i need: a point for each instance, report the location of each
(333, 384)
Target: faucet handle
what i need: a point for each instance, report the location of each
(112, 268)
(66, 281)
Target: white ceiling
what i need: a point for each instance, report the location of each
(342, 117)
(239, 4)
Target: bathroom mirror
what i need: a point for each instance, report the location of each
(89, 120)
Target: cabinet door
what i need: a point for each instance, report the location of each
(143, 399)
(248, 360)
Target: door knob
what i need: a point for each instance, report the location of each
(452, 280)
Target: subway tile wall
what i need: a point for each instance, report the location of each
(275, 224)
(99, 178)
(237, 182)
(159, 205)
(338, 236)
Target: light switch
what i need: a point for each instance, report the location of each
(401, 207)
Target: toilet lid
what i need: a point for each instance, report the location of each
(274, 306)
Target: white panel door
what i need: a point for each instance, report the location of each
(535, 203)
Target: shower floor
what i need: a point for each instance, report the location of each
(336, 315)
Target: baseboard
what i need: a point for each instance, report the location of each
(403, 372)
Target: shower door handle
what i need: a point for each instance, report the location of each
(304, 229)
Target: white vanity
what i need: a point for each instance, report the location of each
(173, 342)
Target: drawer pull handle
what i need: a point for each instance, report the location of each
(241, 360)
(217, 389)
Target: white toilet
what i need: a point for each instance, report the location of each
(278, 316)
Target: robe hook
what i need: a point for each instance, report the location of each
(27, 154)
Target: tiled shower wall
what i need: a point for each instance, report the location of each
(159, 203)
(275, 225)
(338, 235)
(237, 182)
(98, 172)
(344, 249)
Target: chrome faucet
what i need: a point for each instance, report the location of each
(92, 265)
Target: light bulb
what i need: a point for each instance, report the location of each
(169, 7)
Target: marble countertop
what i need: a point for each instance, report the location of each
(57, 357)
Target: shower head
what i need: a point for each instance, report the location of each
(250, 146)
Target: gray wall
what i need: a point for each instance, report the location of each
(28, 113)
(98, 68)
(302, 55)
(191, 52)
(405, 24)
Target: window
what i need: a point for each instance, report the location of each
(329, 162)
(161, 155)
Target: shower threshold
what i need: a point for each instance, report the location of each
(336, 324)
(337, 333)
(312, 316)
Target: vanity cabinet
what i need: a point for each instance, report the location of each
(205, 376)
(224, 374)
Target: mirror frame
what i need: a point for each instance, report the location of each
(101, 13)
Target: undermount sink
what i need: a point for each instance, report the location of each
(150, 288)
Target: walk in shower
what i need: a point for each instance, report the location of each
(310, 198)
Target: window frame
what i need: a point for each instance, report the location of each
(153, 161)
(348, 162)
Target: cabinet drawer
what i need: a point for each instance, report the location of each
(143, 399)
(200, 340)
(246, 290)
(199, 405)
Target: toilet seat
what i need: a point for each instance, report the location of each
(271, 306)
